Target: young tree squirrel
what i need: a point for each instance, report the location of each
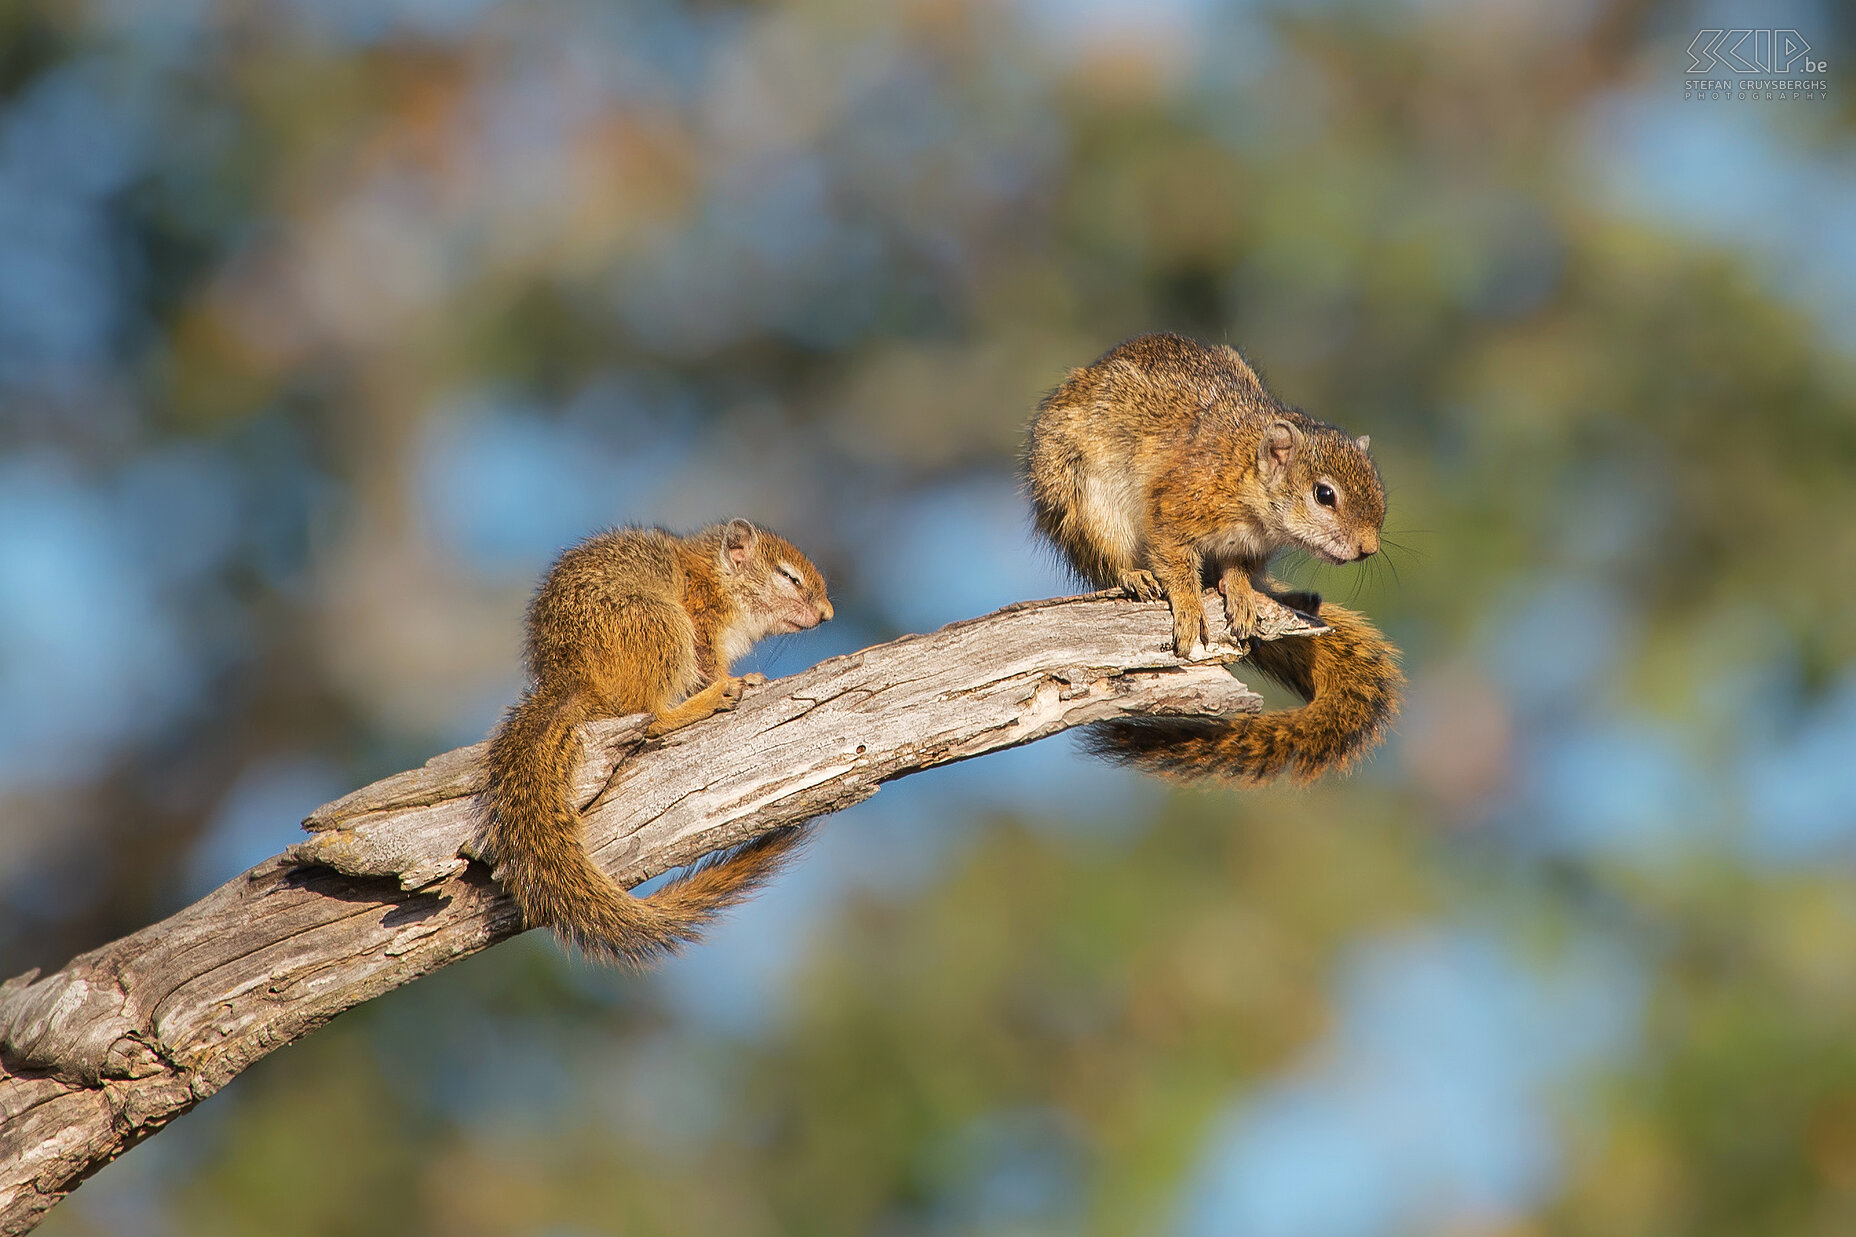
(1165, 467)
(635, 620)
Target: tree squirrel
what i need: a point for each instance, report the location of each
(1165, 467)
(635, 620)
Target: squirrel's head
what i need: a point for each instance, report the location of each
(770, 579)
(1324, 488)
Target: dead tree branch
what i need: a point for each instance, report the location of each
(106, 1051)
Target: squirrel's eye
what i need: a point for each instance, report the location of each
(792, 575)
(1324, 494)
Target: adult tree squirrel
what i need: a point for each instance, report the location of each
(1165, 467)
(635, 620)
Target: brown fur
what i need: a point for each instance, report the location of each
(1165, 467)
(1349, 676)
(635, 621)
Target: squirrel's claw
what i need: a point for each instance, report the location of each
(735, 686)
(1240, 611)
(1142, 585)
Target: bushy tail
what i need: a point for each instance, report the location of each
(1348, 675)
(534, 835)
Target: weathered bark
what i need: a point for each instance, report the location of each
(103, 1053)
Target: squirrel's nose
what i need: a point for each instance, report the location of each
(825, 611)
(1369, 545)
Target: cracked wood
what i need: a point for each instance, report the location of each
(98, 1055)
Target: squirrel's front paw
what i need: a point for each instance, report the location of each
(736, 686)
(1189, 636)
(1240, 613)
(1142, 585)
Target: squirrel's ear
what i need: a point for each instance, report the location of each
(1277, 449)
(1364, 442)
(738, 544)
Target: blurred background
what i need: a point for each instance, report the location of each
(325, 323)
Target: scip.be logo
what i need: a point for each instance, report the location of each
(1751, 51)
